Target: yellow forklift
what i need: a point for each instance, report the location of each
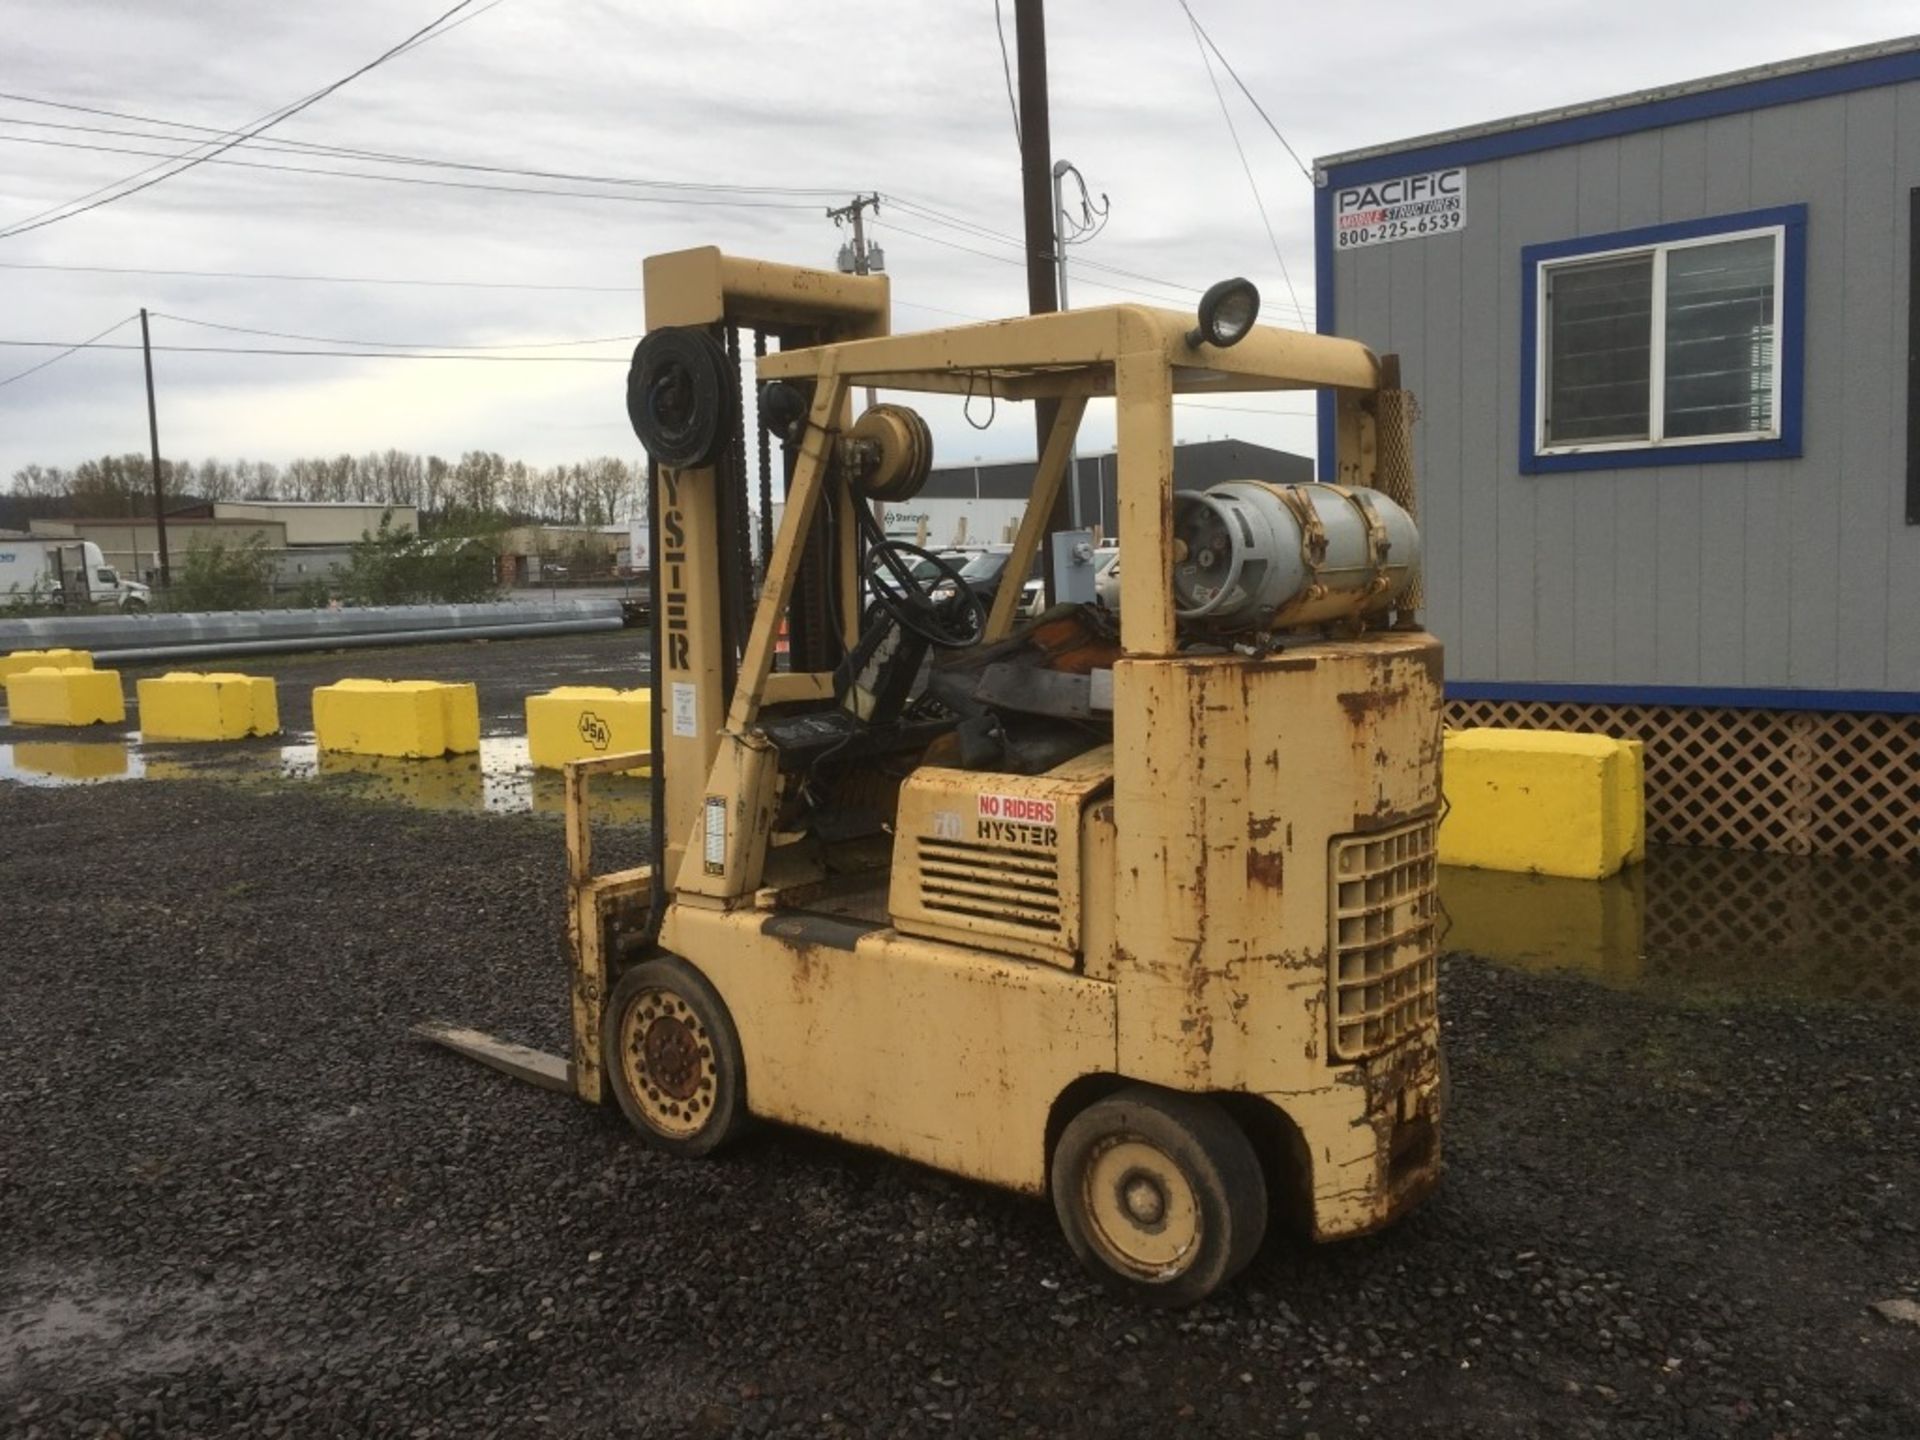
(1137, 910)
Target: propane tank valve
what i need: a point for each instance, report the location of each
(1253, 556)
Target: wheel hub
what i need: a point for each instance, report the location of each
(1142, 1211)
(673, 1056)
(1145, 1201)
(667, 1061)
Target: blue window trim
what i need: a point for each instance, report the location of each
(1789, 353)
(1818, 84)
(1859, 702)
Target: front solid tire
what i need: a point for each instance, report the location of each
(1160, 1195)
(673, 1058)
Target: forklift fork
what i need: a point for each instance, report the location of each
(595, 906)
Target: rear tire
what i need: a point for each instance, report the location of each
(1160, 1195)
(673, 1058)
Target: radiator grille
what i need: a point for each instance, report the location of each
(1382, 903)
(992, 886)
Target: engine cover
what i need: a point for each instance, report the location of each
(990, 859)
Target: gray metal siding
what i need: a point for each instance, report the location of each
(1797, 573)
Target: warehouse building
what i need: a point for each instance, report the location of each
(338, 523)
(1670, 438)
(310, 541)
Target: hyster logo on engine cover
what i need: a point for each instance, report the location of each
(1017, 820)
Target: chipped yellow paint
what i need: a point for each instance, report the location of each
(945, 1054)
(1167, 921)
(994, 860)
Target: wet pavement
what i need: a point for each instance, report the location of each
(1705, 924)
(498, 780)
(1697, 923)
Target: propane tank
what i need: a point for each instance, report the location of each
(1253, 556)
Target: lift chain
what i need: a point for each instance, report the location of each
(739, 541)
(766, 460)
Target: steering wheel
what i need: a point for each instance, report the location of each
(953, 623)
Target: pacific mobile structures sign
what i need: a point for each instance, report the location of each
(1410, 207)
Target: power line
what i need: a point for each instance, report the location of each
(73, 209)
(273, 277)
(396, 344)
(1258, 107)
(1245, 409)
(1011, 260)
(84, 344)
(321, 354)
(956, 222)
(324, 279)
(404, 180)
(271, 114)
(1252, 185)
(280, 145)
(923, 211)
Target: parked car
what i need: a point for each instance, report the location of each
(984, 570)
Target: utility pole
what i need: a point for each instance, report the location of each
(1036, 191)
(153, 438)
(857, 259)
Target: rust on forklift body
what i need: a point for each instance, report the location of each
(1009, 900)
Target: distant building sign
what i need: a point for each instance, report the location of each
(1408, 208)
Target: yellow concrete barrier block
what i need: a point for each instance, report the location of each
(185, 705)
(1543, 801)
(20, 660)
(65, 697)
(408, 719)
(577, 722)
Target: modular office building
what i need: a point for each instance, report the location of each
(1669, 445)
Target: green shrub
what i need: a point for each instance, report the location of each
(397, 567)
(219, 576)
(312, 593)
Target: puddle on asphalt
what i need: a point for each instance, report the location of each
(500, 779)
(1706, 923)
(69, 762)
(1703, 922)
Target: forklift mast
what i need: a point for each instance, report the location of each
(700, 512)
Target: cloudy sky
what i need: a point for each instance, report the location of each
(812, 102)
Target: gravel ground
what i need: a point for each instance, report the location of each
(237, 1199)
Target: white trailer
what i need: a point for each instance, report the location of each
(35, 571)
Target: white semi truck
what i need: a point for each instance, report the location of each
(70, 572)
